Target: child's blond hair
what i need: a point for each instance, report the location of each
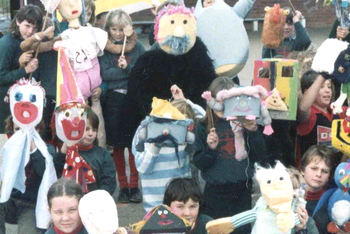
(184, 108)
(117, 18)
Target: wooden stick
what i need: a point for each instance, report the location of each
(292, 6)
(124, 43)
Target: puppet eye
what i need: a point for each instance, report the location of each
(269, 182)
(185, 21)
(165, 212)
(160, 212)
(172, 21)
(281, 178)
(342, 172)
(18, 96)
(67, 113)
(32, 98)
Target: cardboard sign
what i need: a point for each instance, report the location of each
(340, 139)
(282, 75)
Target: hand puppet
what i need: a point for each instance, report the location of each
(181, 58)
(26, 100)
(70, 122)
(273, 212)
(222, 30)
(274, 20)
(98, 213)
(243, 102)
(338, 200)
(161, 220)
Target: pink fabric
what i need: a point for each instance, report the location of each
(89, 79)
(268, 130)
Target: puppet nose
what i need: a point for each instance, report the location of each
(179, 32)
(76, 120)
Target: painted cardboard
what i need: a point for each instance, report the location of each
(283, 75)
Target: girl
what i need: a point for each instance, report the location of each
(317, 166)
(314, 113)
(90, 8)
(228, 181)
(96, 157)
(183, 196)
(115, 70)
(63, 198)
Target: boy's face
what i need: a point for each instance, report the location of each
(188, 210)
(316, 174)
(325, 94)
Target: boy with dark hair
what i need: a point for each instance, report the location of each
(183, 195)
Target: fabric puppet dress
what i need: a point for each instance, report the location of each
(26, 102)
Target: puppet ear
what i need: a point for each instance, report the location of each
(267, 8)
(279, 165)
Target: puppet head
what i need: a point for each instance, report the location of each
(275, 102)
(26, 103)
(342, 176)
(175, 29)
(276, 187)
(71, 11)
(98, 212)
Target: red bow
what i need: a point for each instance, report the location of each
(77, 169)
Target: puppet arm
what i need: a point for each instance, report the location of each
(199, 112)
(117, 48)
(32, 42)
(309, 98)
(243, 7)
(337, 106)
(229, 224)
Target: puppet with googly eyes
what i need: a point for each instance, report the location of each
(26, 100)
(70, 122)
(273, 212)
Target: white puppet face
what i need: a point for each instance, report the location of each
(98, 212)
(26, 103)
(275, 186)
(70, 9)
(70, 121)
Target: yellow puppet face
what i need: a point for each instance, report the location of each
(177, 33)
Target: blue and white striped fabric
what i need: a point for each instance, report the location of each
(157, 169)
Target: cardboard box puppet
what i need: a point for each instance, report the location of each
(280, 77)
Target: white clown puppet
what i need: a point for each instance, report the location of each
(26, 100)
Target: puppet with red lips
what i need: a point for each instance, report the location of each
(70, 122)
(26, 103)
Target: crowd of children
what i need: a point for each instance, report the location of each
(168, 175)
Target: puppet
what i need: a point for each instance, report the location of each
(241, 102)
(181, 59)
(272, 212)
(222, 30)
(26, 100)
(338, 200)
(70, 122)
(98, 213)
(274, 20)
(161, 220)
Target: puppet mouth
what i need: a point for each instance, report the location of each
(71, 131)
(25, 112)
(74, 12)
(165, 222)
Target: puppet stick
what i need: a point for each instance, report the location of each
(210, 119)
(37, 49)
(292, 6)
(124, 43)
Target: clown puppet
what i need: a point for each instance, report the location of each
(26, 100)
(70, 123)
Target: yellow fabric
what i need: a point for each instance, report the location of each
(340, 139)
(164, 109)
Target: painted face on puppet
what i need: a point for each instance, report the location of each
(70, 9)
(26, 103)
(276, 187)
(70, 120)
(175, 30)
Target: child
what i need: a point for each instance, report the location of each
(90, 8)
(96, 157)
(317, 166)
(158, 165)
(314, 113)
(115, 70)
(63, 198)
(228, 181)
(183, 196)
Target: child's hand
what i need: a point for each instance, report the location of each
(297, 17)
(250, 125)
(212, 139)
(303, 217)
(96, 93)
(177, 92)
(32, 65)
(49, 32)
(25, 58)
(122, 62)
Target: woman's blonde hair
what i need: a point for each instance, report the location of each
(117, 17)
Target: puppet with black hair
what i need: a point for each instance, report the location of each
(181, 59)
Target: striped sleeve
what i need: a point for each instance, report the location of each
(243, 218)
